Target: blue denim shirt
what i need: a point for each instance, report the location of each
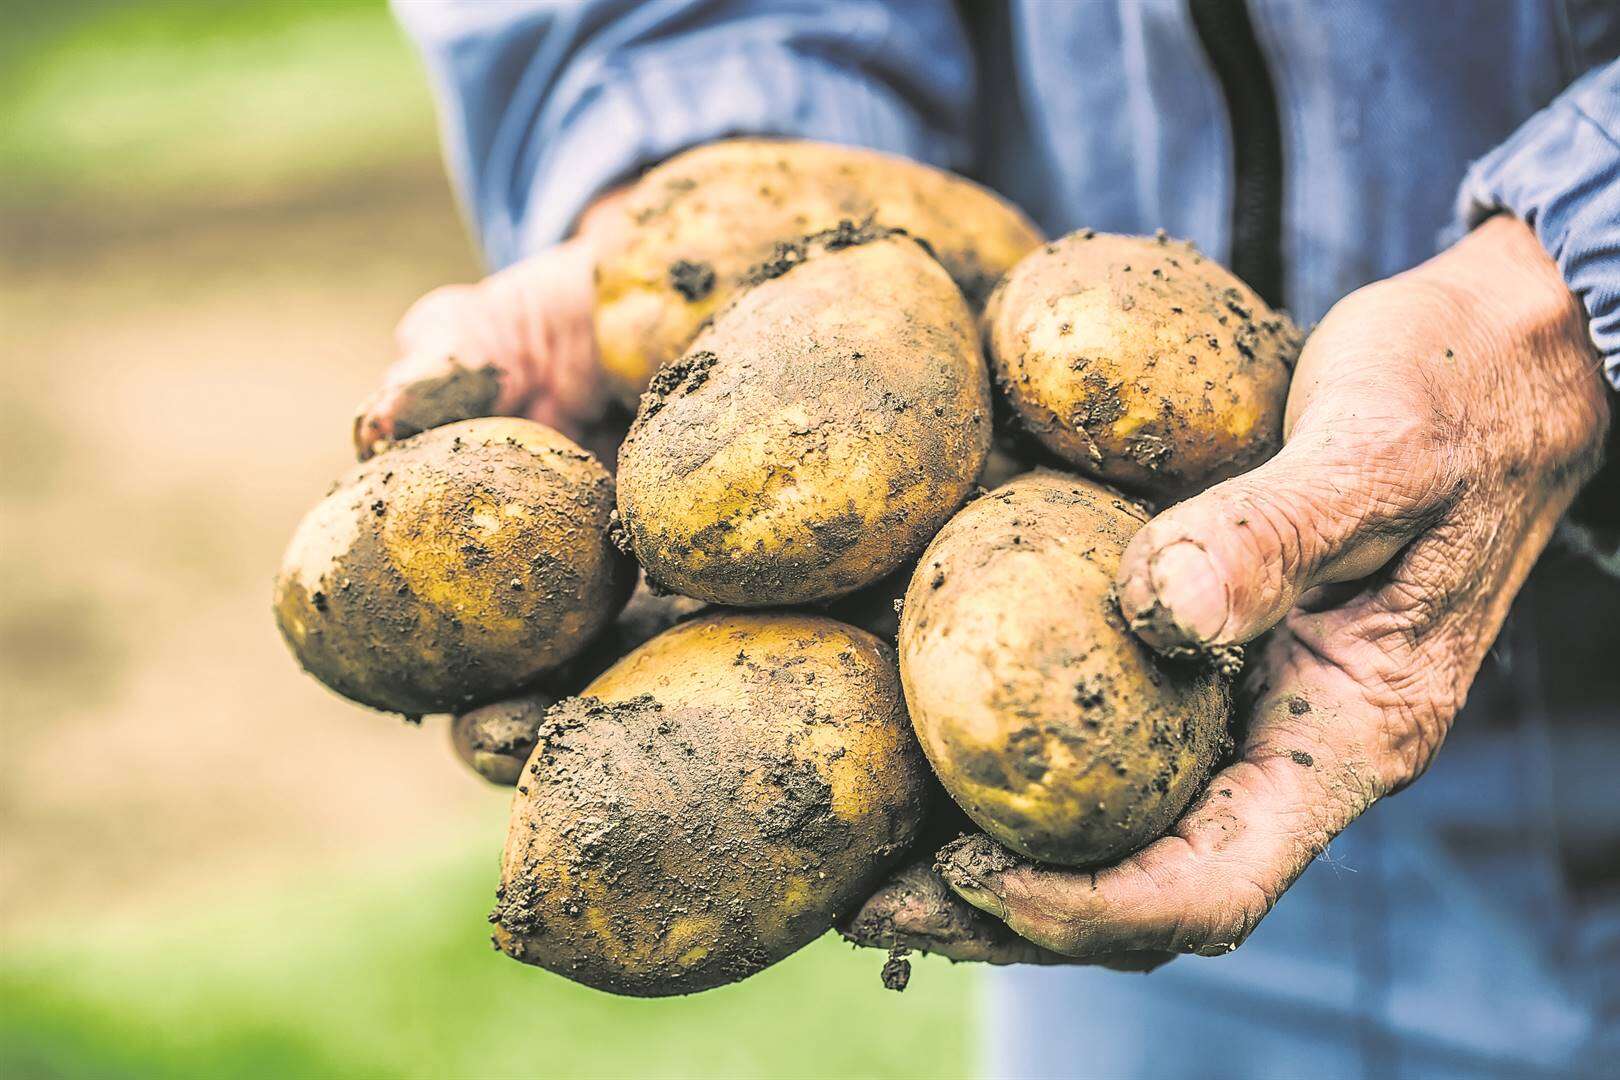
(1402, 121)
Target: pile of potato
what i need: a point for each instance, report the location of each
(712, 768)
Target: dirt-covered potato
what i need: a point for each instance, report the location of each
(712, 803)
(453, 569)
(1141, 362)
(1061, 735)
(816, 434)
(496, 740)
(697, 223)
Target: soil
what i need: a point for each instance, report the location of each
(462, 393)
(693, 280)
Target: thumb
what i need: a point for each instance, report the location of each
(1332, 506)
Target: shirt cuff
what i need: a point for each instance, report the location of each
(638, 116)
(1560, 174)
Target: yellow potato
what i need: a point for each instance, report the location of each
(453, 569)
(712, 803)
(1140, 362)
(696, 224)
(816, 434)
(1054, 728)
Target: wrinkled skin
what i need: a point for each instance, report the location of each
(1439, 425)
(915, 909)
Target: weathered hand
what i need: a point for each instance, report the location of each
(517, 343)
(1439, 424)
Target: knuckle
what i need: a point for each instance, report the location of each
(1265, 529)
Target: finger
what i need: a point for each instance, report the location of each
(1310, 764)
(567, 391)
(443, 392)
(456, 361)
(1336, 504)
(914, 910)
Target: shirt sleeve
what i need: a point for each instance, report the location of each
(545, 104)
(1560, 174)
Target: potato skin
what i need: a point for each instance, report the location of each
(712, 803)
(495, 741)
(816, 434)
(1062, 735)
(1140, 362)
(454, 568)
(697, 223)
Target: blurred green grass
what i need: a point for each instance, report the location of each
(390, 973)
(201, 102)
(221, 117)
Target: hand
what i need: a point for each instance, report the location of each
(518, 343)
(1439, 423)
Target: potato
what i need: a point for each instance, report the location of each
(1062, 735)
(454, 568)
(711, 804)
(697, 223)
(816, 434)
(496, 740)
(1140, 362)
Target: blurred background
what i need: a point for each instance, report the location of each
(211, 214)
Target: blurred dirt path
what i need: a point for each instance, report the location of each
(174, 394)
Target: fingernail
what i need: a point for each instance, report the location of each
(980, 891)
(1185, 583)
(1218, 948)
(979, 895)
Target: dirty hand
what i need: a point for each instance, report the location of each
(518, 343)
(1439, 424)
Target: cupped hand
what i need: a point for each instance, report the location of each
(1439, 424)
(517, 343)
